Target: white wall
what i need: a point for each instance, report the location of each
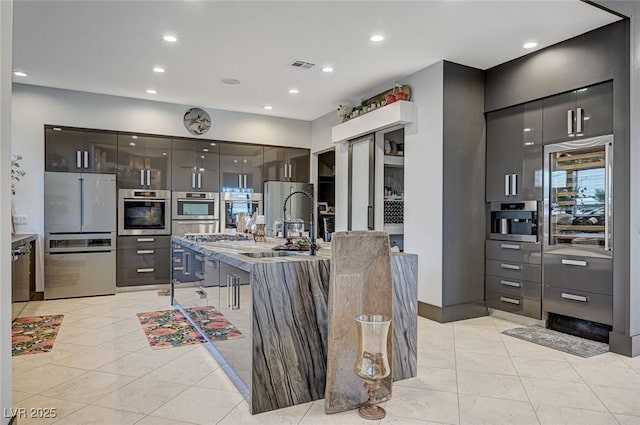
(6, 15)
(34, 106)
(423, 177)
(423, 181)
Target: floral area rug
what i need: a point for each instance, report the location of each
(170, 328)
(33, 335)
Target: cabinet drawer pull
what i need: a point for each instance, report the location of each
(144, 251)
(510, 266)
(178, 269)
(145, 239)
(510, 283)
(509, 246)
(510, 300)
(575, 297)
(178, 250)
(151, 270)
(574, 263)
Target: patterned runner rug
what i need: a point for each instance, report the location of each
(559, 341)
(169, 328)
(33, 335)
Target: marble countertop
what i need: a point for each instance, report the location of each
(17, 240)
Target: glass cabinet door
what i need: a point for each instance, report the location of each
(578, 184)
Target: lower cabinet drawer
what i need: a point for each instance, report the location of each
(579, 304)
(513, 270)
(518, 305)
(515, 288)
(143, 269)
(581, 273)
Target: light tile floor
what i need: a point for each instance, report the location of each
(102, 371)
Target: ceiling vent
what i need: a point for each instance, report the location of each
(302, 65)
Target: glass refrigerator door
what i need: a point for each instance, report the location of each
(578, 198)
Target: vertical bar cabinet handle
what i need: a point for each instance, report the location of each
(148, 177)
(193, 180)
(141, 177)
(514, 184)
(78, 159)
(570, 122)
(608, 197)
(239, 181)
(507, 185)
(86, 159)
(370, 217)
(229, 290)
(579, 119)
(199, 180)
(245, 181)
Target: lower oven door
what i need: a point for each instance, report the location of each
(182, 227)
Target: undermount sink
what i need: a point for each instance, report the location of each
(267, 254)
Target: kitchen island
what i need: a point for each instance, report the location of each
(278, 301)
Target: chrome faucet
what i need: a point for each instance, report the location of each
(312, 232)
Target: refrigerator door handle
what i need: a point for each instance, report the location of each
(81, 202)
(609, 197)
(86, 159)
(148, 177)
(570, 122)
(507, 185)
(141, 177)
(78, 159)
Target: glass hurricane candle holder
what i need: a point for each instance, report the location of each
(258, 236)
(372, 363)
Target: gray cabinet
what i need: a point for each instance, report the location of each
(241, 167)
(579, 286)
(195, 165)
(143, 260)
(287, 164)
(581, 113)
(514, 154)
(80, 151)
(144, 162)
(513, 277)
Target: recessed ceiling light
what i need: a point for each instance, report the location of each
(530, 44)
(327, 69)
(56, 129)
(20, 73)
(131, 144)
(170, 38)
(158, 69)
(294, 91)
(152, 91)
(231, 81)
(267, 107)
(377, 37)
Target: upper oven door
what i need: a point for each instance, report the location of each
(143, 217)
(195, 206)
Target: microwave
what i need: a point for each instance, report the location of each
(195, 206)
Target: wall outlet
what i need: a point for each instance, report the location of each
(20, 219)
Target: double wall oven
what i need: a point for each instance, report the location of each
(144, 212)
(195, 212)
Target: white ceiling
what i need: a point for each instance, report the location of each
(110, 47)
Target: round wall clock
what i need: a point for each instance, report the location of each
(197, 121)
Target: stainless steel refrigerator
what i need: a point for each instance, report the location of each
(275, 192)
(80, 231)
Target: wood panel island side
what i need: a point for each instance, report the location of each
(279, 304)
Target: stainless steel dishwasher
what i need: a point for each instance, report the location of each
(21, 268)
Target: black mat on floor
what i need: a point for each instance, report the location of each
(559, 341)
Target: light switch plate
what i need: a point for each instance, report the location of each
(20, 219)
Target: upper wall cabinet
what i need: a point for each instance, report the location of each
(144, 162)
(241, 167)
(585, 112)
(81, 151)
(287, 164)
(514, 154)
(195, 165)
